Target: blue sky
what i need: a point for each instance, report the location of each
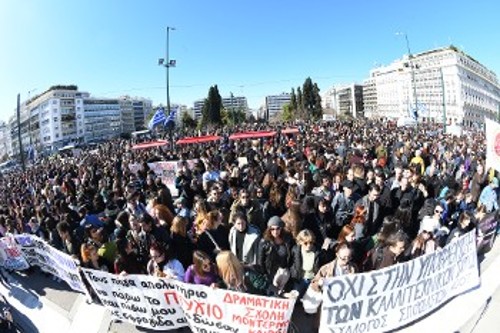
(252, 48)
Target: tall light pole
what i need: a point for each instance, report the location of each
(167, 63)
(412, 68)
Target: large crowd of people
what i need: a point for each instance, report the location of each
(269, 216)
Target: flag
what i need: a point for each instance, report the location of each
(171, 116)
(492, 144)
(158, 118)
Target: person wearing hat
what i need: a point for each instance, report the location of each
(275, 250)
(489, 196)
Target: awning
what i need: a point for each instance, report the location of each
(290, 131)
(252, 135)
(198, 139)
(150, 144)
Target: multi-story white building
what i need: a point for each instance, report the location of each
(236, 103)
(229, 103)
(134, 112)
(5, 141)
(63, 115)
(440, 83)
(102, 119)
(198, 109)
(345, 100)
(275, 103)
(50, 120)
(370, 106)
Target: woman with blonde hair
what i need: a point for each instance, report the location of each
(181, 242)
(304, 261)
(231, 271)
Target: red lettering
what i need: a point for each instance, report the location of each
(169, 294)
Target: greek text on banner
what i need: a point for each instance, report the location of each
(392, 297)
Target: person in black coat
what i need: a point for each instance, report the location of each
(275, 249)
(305, 263)
(215, 237)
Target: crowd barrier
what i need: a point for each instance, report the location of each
(376, 301)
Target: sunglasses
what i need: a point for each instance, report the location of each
(438, 211)
(344, 258)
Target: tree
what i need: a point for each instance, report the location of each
(287, 114)
(212, 107)
(293, 101)
(311, 100)
(187, 120)
(300, 104)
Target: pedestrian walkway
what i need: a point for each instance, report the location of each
(35, 313)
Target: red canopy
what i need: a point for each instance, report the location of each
(290, 131)
(150, 144)
(198, 139)
(251, 135)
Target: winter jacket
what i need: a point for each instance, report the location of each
(250, 244)
(296, 271)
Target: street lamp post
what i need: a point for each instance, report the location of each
(412, 68)
(167, 63)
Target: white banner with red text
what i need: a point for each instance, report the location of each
(163, 304)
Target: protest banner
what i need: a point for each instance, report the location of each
(38, 252)
(487, 231)
(11, 256)
(219, 310)
(142, 300)
(392, 297)
(135, 167)
(166, 171)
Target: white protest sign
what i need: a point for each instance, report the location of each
(219, 310)
(135, 167)
(38, 252)
(11, 256)
(142, 300)
(166, 171)
(386, 299)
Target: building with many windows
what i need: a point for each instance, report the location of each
(5, 140)
(50, 120)
(102, 119)
(437, 85)
(345, 100)
(275, 103)
(62, 115)
(236, 103)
